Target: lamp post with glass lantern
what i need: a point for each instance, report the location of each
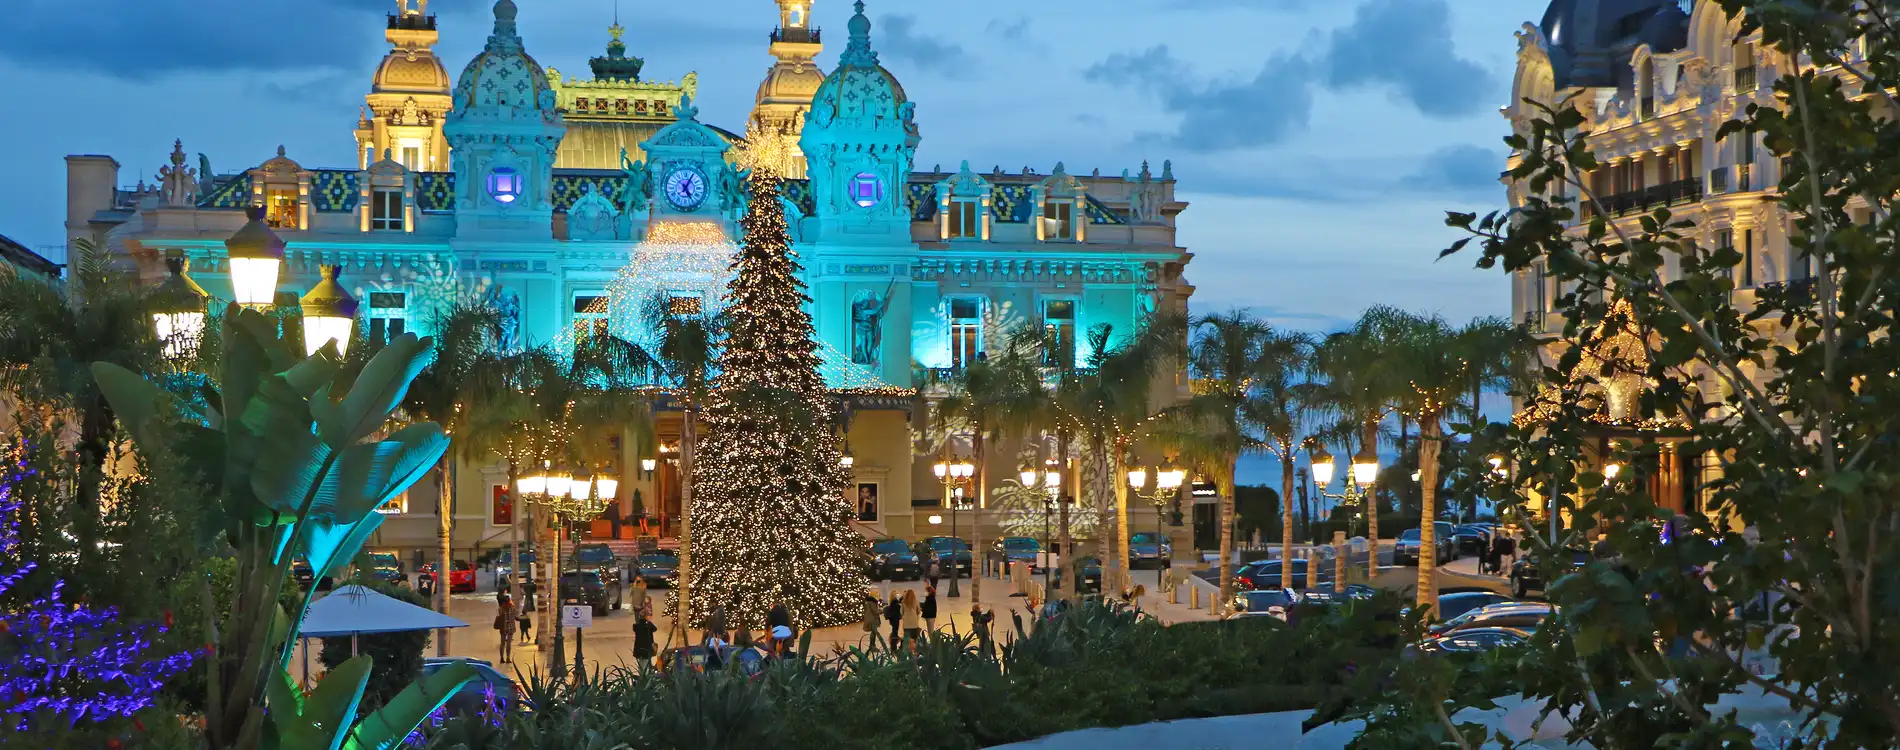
(329, 314)
(565, 496)
(1358, 492)
(955, 475)
(256, 255)
(178, 311)
(1168, 481)
(1050, 480)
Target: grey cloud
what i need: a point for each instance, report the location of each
(146, 39)
(1406, 44)
(1403, 44)
(1015, 34)
(1461, 168)
(899, 38)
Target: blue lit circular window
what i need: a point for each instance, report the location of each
(866, 190)
(504, 184)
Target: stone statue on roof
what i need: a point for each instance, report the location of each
(633, 197)
(177, 182)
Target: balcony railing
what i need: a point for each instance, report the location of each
(796, 36)
(1745, 80)
(1653, 197)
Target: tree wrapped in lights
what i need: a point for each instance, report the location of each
(770, 520)
(69, 663)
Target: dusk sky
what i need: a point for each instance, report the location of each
(1318, 141)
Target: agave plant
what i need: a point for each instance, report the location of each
(295, 455)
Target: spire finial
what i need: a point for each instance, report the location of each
(858, 53)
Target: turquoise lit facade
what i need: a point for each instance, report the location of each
(533, 206)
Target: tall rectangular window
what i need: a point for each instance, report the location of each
(1058, 321)
(386, 209)
(590, 317)
(1748, 257)
(388, 316)
(1745, 162)
(1058, 220)
(412, 157)
(966, 216)
(1540, 292)
(966, 331)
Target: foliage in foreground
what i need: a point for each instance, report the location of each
(1793, 551)
(1092, 668)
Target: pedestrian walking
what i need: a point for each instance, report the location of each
(873, 613)
(638, 599)
(929, 608)
(894, 614)
(525, 624)
(913, 619)
(644, 648)
(505, 625)
(933, 569)
(1494, 554)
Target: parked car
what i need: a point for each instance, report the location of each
(385, 567)
(597, 556)
(1147, 549)
(1011, 550)
(1265, 574)
(892, 560)
(1525, 577)
(504, 566)
(1405, 551)
(1526, 616)
(475, 695)
(1475, 640)
(1091, 575)
(659, 568)
(305, 577)
(461, 576)
(951, 549)
(593, 587)
(1455, 604)
(1472, 539)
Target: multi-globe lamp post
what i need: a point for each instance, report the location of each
(1168, 480)
(1049, 478)
(566, 497)
(955, 476)
(1357, 492)
(178, 311)
(256, 258)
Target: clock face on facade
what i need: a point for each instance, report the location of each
(686, 188)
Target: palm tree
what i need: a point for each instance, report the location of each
(1110, 406)
(1435, 371)
(991, 397)
(1276, 408)
(52, 331)
(1361, 388)
(464, 370)
(1496, 352)
(1225, 356)
(687, 349)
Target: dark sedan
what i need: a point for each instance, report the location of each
(1406, 550)
(1265, 574)
(892, 560)
(387, 568)
(949, 548)
(1475, 640)
(1150, 550)
(1453, 605)
(1013, 550)
(1525, 577)
(475, 696)
(1091, 575)
(659, 569)
(593, 588)
(305, 577)
(504, 566)
(1472, 538)
(1526, 616)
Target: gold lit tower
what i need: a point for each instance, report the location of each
(785, 94)
(404, 109)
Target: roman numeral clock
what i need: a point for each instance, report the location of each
(686, 186)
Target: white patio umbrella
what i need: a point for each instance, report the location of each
(356, 610)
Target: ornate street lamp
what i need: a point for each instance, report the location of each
(1358, 491)
(178, 312)
(257, 255)
(1168, 480)
(329, 314)
(846, 459)
(955, 475)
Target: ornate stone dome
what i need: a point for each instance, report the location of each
(503, 74)
(1590, 38)
(860, 89)
(411, 72)
(798, 81)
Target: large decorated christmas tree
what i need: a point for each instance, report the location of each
(770, 521)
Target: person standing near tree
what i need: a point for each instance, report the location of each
(505, 615)
(644, 648)
(894, 614)
(873, 612)
(778, 616)
(929, 608)
(913, 619)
